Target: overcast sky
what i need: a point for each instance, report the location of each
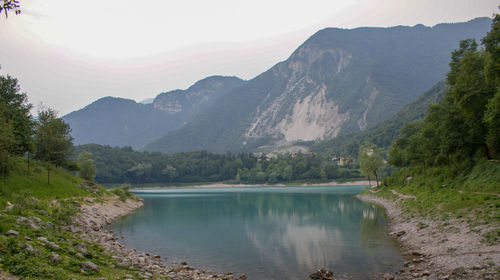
(67, 54)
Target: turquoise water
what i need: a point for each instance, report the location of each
(266, 233)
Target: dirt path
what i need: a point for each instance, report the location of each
(404, 196)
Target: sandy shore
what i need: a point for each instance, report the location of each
(224, 185)
(439, 249)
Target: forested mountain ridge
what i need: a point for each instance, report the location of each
(338, 81)
(385, 132)
(124, 122)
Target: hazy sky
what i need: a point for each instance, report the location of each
(68, 53)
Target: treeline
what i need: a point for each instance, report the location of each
(44, 137)
(124, 165)
(465, 126)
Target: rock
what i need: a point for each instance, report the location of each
(55, 257)
(50, 225)
(88, 265)
(398, 234)
(416, 254)
(322, 274)
(53, 245)
(43, 239)
(22, 220)
(11, 232)
(426, 273)
(74, 229)
(80, 255)
(9, 205)
(81, 247)
(184, 263)
(35, 219)
(388, 276)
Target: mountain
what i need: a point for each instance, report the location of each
(338, 81)
(385, 132)
(124, 122)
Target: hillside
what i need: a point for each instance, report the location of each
(338, 81)
(385, 132)
(124, 122)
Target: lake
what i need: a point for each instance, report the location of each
(266, 233)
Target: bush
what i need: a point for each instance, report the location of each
(123, 192)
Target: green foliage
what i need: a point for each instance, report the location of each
(7, 143)
(123, 192)
(492, 122)
(121, 165)
(370, 161)
(465, 124)
(449, 160)
(16, 110)
(86, 166)
(19, 184)
(52, 140)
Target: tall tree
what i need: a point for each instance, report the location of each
(7, 143)
(53, 141)
(370, 161)
(17, 111)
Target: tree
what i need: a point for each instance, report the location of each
(9, 5)
(370, 161)
(170, 172)
(16, 110)
(53, 141)
(7, 143)
(87, 169)
(492, 120)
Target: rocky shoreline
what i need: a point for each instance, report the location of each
(91, 222)
(437, 249)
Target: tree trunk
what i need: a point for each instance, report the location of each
(376, 177)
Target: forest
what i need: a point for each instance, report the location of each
(124, 165)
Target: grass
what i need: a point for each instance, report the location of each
(34, 183)
(445, 193)
(50, 208)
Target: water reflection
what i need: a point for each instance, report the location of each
(281, 233)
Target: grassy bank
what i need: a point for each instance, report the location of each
(36, 240)
(443, 193)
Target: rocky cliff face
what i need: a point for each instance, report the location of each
(336, 82)
(197, 97)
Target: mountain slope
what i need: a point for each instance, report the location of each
(123, 122)
(338, 81)
(385, 132)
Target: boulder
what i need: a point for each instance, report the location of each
(90, 266)
(55, 257)
(12, 233)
